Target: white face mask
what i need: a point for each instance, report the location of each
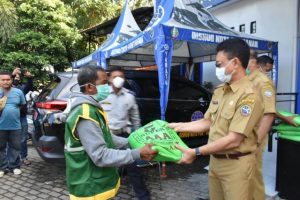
(118, 82)
(220, 73)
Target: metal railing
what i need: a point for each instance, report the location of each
(294, 98)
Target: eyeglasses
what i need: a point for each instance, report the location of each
(218, 65)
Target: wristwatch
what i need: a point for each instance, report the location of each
(197, 151)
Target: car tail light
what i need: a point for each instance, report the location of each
(45, 149)
(52, 105)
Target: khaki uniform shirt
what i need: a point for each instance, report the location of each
(265, 85)
(235, 108)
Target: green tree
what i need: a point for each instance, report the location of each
(46, 35)
(92, 12)
(8, 20)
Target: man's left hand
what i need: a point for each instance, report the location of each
(28, 74)
(188, 155)
(147, 153)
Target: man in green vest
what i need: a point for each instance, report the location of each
(91, 151)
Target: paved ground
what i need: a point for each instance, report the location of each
(42, 180)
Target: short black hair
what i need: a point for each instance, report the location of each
(100, 69)
(6, 73)
(235, 47)
(264, 60)
(87, 75)
(116, 69)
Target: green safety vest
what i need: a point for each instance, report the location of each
(84, 179)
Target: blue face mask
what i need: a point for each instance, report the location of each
(102, 92)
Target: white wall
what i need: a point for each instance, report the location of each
(276, 20)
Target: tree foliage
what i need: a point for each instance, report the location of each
(91, 12)
(8, 20)
(46, 35)
(46, 32)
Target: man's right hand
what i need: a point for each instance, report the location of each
(178, 127)
(147, 153)
(16, 71)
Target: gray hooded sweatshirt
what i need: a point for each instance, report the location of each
(91, 137)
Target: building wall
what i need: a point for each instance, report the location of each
(276, 20)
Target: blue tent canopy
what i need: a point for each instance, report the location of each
(181, 31)
(125, 28)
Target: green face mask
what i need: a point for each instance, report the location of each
(102, 92)
(248, 72)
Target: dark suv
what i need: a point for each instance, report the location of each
(187, 101)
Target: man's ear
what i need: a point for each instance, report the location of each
(87, 87)
(237, 63)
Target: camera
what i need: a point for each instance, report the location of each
(23, 71)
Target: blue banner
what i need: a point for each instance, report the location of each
(163, 58)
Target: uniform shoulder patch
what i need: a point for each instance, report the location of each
(245, 110)
(268, 93)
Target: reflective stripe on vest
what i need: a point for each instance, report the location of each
(68, 147)
(102, 196)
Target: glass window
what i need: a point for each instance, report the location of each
(49, 92)
(242, 28)
(183, 90)
(66, 90)
(144, 87)
(253, 27)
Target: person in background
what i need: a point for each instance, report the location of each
(25, 86)
(265, 64)
(123, 118)
(266, 87)
(10, 125)
(92, 153)
(232, 119)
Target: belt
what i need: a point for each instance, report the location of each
(119, 131)
(231, 156)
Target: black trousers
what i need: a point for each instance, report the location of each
(136, 178)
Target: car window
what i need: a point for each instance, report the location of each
(144, 87)
(51, 90)
(66, 91)
(183, 90)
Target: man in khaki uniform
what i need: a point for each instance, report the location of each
(267, 90)
(231, 119)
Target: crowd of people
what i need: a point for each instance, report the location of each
(13, 120)
(104, 113)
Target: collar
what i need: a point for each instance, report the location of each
(238, 84)
(121, 92)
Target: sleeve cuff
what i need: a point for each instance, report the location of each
(135, 154)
